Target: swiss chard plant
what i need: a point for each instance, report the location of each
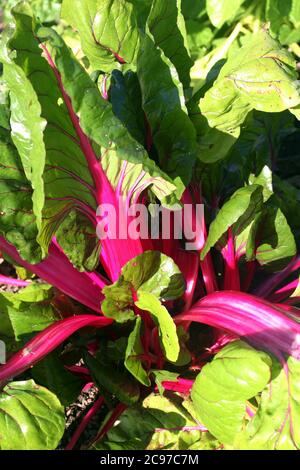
(187, 111)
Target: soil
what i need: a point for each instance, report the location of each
(74, 414)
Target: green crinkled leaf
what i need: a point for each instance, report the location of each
(18, 213)
(295, 13)
(67, 181)
(125, 97)
(167, 27)
(78, 239)
(152, 272)
(260, 76)
(107, 28)
(46, 10)
(118, 302)
(51, 373)
(26, 133)
(236, 374)
(156, 273)
(156, 424)
(284, 18)
(163, 102)
(222, 11)
(142, 9)
(133, 362)
(31, 417)
(69, 185)
(166, 326)
(113, 381)
(97, 118)
(237, 212)
(271, 240)
(275, 425)
(277, 12)
(17, 220)
(26, 312)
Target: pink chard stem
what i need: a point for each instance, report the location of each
(232, 276)
(46, 341)
(207, 267)
(267, 287)
(10, 281)
(257, 321)
(116, 413)
(57, 270)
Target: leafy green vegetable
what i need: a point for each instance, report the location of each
(104, 111)
(274, 425)
(107, 28)
(26, 312)
(31, 417)
(51, 373)
(151, 272)
(119, 383)
(238, 212)
(134, 350)
(276, 244)
(167, 27)
(163, 103)
(236, 374)
(221, 11)
(161, 316)
(261, 76)
(157, 424)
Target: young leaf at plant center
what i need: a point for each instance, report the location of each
(167, 27)
(118, 302)
(156, 424)
(152, 272)
(260, 76)
(236, 374)
(134, 350)
(155, 272)
(237, 212)
(31, 417)
(118, 383)
(107, 28)
(274, 427)
(51, 373)
(166, 326)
